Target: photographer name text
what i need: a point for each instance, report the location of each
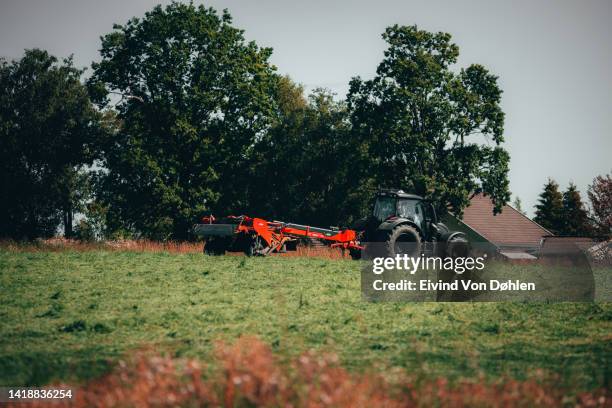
(429, 285)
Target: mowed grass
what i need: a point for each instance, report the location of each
(69, 315)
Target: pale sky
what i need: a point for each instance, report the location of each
(553, 59)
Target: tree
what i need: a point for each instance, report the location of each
(549, 210)
(196, 98)
(575, 217)
(328, 193)
(421, 125)
(275, 158)
(600, 195)
(302, 164)
(49, 132)
(518, 205)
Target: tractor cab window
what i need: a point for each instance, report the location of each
(412, 209)
(384, 208)
(419, 215)
(409, 209)
(406, 208)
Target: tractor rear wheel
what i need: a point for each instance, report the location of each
(403, 239)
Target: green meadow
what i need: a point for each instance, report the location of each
(68, 316)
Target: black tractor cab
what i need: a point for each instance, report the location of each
(405, 223)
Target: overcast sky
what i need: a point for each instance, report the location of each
(553, 59)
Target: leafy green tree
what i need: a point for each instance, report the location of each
(424, 127)
(196, 97)
(600, 196)
(327, 191)
(49, 133)
(302, 165)
(274, 174)
(549, 210)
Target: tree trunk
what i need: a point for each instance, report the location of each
(68, 221)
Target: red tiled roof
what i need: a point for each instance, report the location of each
(510, 227)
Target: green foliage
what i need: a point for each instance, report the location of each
(549, 210)
(194, 120)
(422, 126)
(97, 306)
(206, 126)
(518, 205)
(93, 226)
(600, 195)
(575, 216)
(302, 165)
(85, 231)
(275, 158)
(562, 214)
(196, 97)
(48, 131)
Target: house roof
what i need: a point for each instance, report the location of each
(508, 228)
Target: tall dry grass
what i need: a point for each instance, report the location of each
(247, 374)
(62, 244)
(142, 245)
(318, 252)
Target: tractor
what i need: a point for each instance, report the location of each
(402, 223)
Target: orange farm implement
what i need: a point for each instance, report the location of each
(256, 236)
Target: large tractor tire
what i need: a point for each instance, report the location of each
(403, 239)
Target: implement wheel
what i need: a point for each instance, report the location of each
(215, 246)
(457, 247)
(355, 253)
(255, 247)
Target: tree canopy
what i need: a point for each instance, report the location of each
(425, 127)
(196, 98)
(302, 164)
(207, 126)
(600, 195)
(193, 119)
(49, 130)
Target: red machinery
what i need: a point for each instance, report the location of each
(256, 236)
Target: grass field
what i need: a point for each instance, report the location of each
(69, 315)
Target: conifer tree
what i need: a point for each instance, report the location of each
(518, 205)
(549, 210)
(575, 216)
